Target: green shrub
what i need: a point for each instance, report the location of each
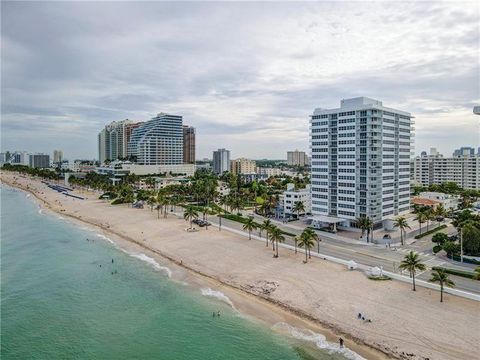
(466, 260)
(419, 236)
(379, 278)
(451, 248)
(108, 195)
(440, 238)
(462, 273)
(437, 248)
(243, 220)
(118, 201)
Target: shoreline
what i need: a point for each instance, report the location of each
(327, 328)
(202, 280)
(330, 332)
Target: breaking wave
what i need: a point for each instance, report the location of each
(218, 295)
(152, 262)
(318, 339)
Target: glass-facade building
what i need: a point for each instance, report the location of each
(158, 141)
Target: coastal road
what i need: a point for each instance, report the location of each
(374, 255)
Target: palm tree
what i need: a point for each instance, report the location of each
(306, 242)
(272, 230)
(365, 224)
(313, 235)
(219, 214)
(297, 239)
(267, 225)
(361, 224)
(151, 202)
(190, 214)
(440, 211)
(255, 188)
(421, 217)
(298, 207)
(440, 276)
(429, 215)
(276, 236)
(412, 263)
(402, 224)
(250, 225)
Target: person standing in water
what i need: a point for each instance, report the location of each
(341, 342)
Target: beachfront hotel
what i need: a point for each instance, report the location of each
(158, 141)
(360, 163)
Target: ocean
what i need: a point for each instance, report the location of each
(62, 297)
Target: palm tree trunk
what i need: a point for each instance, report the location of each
(249, 235)
(295, 246)
(309, 253)
(413, 276)
(306, 257)
(441, 292)
(266, 237)
(318, 247)
(277, 249)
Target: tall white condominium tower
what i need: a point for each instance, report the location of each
(360, 162)
(221, 161)
(158, 141)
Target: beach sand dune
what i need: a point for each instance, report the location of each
(404, 324)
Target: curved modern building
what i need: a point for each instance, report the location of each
(158, 141)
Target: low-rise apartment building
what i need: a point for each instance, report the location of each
(292, 196)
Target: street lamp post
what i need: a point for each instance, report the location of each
(461, 244)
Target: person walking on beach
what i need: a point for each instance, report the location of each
(341, 342)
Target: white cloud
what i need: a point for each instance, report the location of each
(247, 75)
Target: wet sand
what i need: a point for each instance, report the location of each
(320, 295)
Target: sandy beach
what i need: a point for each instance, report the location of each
(320, 295)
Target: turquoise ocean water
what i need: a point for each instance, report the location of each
(60, 300)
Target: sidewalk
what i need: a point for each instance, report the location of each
(360, 266)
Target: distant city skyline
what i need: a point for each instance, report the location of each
(245, 75)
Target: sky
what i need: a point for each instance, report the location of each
(247, 75)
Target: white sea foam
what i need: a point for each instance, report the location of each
(40, 211)
(318, 339)
(27, 196)
(218, 295)
(105, 238)
(152, 262)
